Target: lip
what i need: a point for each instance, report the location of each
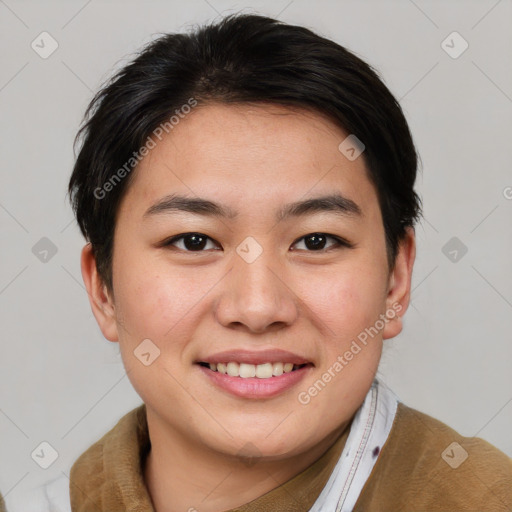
(254, 357)
(253, 387)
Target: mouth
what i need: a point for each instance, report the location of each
(254, 376)
(248, 371)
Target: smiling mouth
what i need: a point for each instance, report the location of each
(247, 371)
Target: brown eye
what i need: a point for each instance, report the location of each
(318, 241)
(192, 242)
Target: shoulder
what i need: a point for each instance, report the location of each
(127, 431)
(102, 473)
(55, 495)
(426, 465)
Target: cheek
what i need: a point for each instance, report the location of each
(150, 307)
(141, 300)
(155, 301)
(345, 301)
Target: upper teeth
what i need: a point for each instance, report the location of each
(244, 370)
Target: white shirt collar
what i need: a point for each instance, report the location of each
(368, 433)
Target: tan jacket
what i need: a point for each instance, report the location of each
(424, 466)
(418, 470)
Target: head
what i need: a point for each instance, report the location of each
(247, 187)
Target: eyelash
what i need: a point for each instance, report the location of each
(339, 242)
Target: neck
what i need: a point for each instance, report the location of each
(183, 476)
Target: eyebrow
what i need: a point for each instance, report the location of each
(335, 203)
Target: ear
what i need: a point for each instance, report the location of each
(100, 298)
(399, 289)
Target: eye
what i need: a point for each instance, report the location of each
(317, 242)
(198, 242)
(191, 242)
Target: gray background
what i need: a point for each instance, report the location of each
(61, 382)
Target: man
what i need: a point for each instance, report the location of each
(247, 193)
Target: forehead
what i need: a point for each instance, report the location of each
(251, 155)
(270, 134)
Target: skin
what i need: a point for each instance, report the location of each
(253, 159)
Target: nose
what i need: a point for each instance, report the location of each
(255, 298)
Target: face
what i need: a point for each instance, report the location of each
(281, 287)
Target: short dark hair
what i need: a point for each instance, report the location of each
(241, 59)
